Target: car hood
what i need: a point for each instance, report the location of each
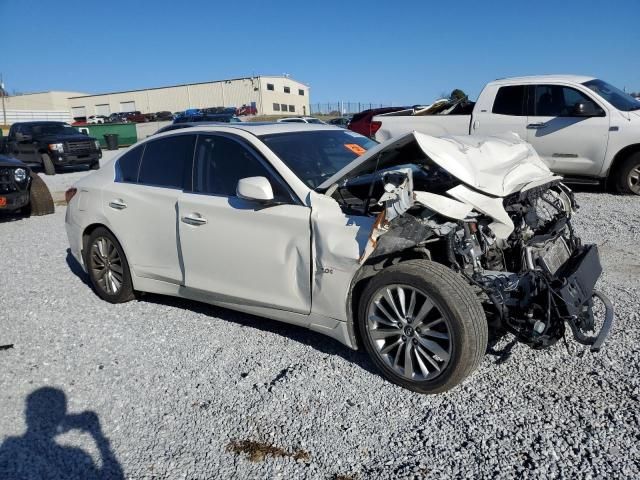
(497, 165)
(10, 162)
(65, 138)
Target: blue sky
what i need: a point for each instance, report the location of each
(400, 52)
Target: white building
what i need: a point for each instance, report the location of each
(270, 95)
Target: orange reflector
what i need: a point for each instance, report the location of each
(3, 202)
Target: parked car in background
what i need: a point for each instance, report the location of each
(208, 117)
(408, 249)
(164, 116)
(582, 127)
(96, 119)
(340, 121)
(118, 118)
(247, 110)
(52, 145)
(21, 190)
(136, 117)
(314, 120)
(361, 122)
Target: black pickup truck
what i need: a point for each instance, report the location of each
(51, 145)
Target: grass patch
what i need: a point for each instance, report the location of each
(258, 451)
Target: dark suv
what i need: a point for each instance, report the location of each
(52, 145)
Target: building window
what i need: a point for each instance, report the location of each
(301, 92)
(276, 107)
(283, 107)
(270, 86)
(292, 108)
(287, 90)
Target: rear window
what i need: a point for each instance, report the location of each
(510, 101)
(317, 155)
(128, 165)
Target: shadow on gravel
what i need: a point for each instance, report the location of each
(76, 268)
(36, 454)
(303, 335)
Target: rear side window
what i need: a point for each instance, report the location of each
(167, 162)
(510, 101)
(128, 165)
(221, 162)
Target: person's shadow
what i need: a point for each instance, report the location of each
(36, 454)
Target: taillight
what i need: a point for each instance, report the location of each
(69, 194)
(375, 126)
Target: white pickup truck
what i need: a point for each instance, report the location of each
(582, 127)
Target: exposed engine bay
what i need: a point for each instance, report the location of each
(514, 244)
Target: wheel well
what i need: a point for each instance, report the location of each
(89, 230)
(620, 157)
(364, 275)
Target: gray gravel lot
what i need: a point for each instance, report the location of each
(182, 389)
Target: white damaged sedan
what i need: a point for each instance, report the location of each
(412, 249)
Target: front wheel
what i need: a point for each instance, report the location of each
(423, 326)
(47, 164)
(629, 175)
(108, 267)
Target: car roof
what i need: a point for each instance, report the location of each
(43, 122)
(258, 128)
(545, 78)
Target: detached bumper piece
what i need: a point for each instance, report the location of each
(574, 286)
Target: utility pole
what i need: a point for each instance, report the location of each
(4, 111)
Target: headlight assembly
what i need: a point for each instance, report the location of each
(56, 147)
(20, 175)
(97, 145)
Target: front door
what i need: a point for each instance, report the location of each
(570, 143)
(238, 250)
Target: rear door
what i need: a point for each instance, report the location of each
(568, 143)
(142, 204)
(238, 250)
(507, 113)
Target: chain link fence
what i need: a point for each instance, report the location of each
(343, 108)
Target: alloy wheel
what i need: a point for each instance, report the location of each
(106, 265)
(633, 180)
(409, 332)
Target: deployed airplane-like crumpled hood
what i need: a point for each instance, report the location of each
(497, 165)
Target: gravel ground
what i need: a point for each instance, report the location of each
(164, 388)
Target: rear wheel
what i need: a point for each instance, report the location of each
(629, 175)
(108, 268)
(47, 164)
(423, 326)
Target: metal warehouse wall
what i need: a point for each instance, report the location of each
(224, 93)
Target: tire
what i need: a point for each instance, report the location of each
(40, 200)
(95, 165)
(47, 164)
(447, 308)
(103, 253)
(628, 175)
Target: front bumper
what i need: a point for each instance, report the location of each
(14, 200)
(65, 159)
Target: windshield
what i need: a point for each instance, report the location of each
(55, 129)
(314, 120)
(317, 155)
(616, 97)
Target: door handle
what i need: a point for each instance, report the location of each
(117, 204)
(536, 126)
(194, 219)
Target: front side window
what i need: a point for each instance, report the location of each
(167, 162)
(559, 101)
(128, 165)
(220, 162)
(317, 155)
(510, 101)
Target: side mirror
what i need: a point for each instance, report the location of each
(586, 109)
(255, 188)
